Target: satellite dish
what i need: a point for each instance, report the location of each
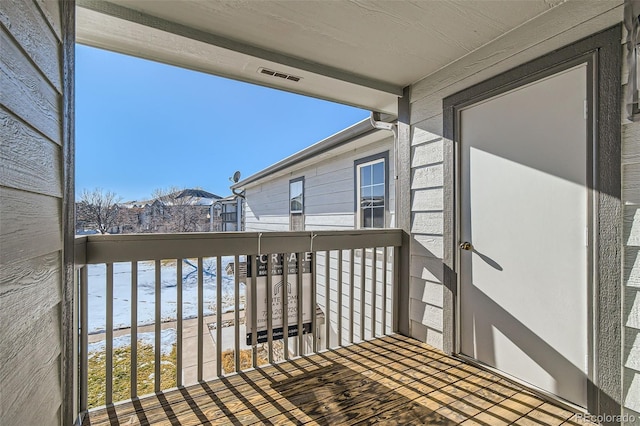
(236, 176)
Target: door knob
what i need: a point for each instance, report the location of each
(466, 246)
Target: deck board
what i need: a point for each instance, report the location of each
(392, 380)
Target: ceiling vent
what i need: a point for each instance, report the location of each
(277, 74)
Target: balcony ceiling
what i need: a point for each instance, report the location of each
(358, 52)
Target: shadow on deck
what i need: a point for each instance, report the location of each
(390, 380)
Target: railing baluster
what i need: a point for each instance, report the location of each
(388, 242)
(254, 310)
(300, 304)
(384, 290)
(158, 325)
(200, 318)
(352, 286)
(327, 297)
(339, 321)
(84, 336)
(236, 313)
(179, 323)
(219, 316)
(270, 308)
(134, 329)
(363, 289)
(396, 288)
(109, 336)
(314, 303)
(374, 291)
(285, 306)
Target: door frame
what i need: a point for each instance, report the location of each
(602, 53)
(587, 60)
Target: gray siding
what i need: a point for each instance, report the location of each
(355, 322)
(631, 264)
(425, 284)
(328, 204)
(427, 179)
(531, 40)
(31, 190)
(328, 193)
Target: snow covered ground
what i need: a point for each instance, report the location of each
(146, 292)
(167, 340)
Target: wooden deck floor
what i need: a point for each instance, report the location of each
(391, 380)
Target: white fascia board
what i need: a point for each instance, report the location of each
(361, 132)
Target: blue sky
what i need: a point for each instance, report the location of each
(141, 125)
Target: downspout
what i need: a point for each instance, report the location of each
(238, 194)
(239, 200)
(393, 128)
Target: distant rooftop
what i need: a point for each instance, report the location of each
(198, 193)
(197, 196)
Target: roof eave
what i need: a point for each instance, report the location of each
(357, 130)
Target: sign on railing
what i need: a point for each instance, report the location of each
(334, 293)
(278, 286)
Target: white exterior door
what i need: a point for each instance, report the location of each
(524, 284)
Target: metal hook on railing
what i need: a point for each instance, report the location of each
(259, 238)
(311, 245)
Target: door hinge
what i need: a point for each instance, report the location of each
(586, 236)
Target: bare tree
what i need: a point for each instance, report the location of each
(98, 208)
(176, 212)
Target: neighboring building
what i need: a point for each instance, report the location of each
(231, 214)
(518, 185)
(188, 210)
(345, 181)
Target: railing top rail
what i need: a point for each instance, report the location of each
(93, 249)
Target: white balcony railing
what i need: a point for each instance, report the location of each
(344, 286)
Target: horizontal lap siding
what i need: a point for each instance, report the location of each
(30, 318)
(329, 188)
(267, 207)
(631, 264)
(327, 222)
(29, 224)
(31, 189)
(425, 285)
(26, 92)
(346, 279)
(329, 204)
(328, 193)
(565, 24)
(30, 161)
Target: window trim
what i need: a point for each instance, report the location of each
(384, 156)
(632, 95)
(302, 212)
(635, 112)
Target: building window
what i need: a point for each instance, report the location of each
(372, 191)
(296, 204)
(229, 217)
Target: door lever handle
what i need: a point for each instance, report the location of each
(466, 246)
